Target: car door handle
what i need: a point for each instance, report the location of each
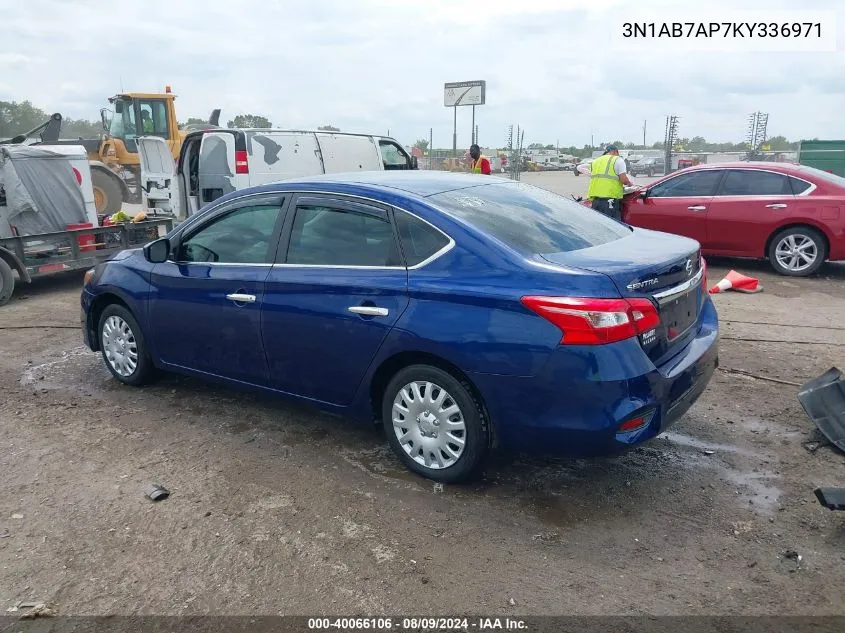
(369, 310)
(776, 206)
(697, 208)
(237, 297)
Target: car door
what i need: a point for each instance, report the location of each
(205, 306)
(676, 205)
(747, 207)
(339, 286)
(217, 172)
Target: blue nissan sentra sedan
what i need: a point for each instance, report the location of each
(464, 312)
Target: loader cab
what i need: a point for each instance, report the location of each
(138, 114)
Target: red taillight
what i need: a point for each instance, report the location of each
(633, 424)
(587, 321)
(241, 164)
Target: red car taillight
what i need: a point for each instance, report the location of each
(586, 321)
(241, 163)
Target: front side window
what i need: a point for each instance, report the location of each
(749, 182)
(393, 157)
(327, 236)
(153, 118)
(693, 184)
(123, 122)
(243, 236)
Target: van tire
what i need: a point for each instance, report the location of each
(108, 195)
(7, 282)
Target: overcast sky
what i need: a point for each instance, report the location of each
(551, 66)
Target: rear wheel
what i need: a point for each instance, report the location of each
(123, 347)
(108, 195)
(7, 282)
(797, 251)
(435, 425)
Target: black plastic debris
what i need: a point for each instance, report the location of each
(823, 399)
(157, 493)
(831, 498)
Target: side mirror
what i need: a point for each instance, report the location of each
(644, 194)
(158, 251)
(414, 163)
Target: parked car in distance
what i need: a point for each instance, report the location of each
(792, 215)
(647, 167)
(464, 316)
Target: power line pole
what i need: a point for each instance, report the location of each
(670, 140)
(644, 128)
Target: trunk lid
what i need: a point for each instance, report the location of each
(665, 269)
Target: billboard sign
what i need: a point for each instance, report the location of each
(464, 93)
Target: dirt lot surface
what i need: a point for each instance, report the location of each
(278, 509)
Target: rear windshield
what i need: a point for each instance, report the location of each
(529, 219)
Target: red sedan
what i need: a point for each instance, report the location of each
(790, 214)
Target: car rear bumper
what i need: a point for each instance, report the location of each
(576, 405)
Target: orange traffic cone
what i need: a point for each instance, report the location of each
(734, 281)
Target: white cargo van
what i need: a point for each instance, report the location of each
(215, 162)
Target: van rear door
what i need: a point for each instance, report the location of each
(218, 168)
(159, 189)
(346, 152)
(274, 156)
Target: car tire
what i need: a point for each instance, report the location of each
(428, 394)
(797, 239)
(123, 347)
(7, 282)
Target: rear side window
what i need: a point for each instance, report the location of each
(691, 184)
(326, 236)
(419, 239)
(798, 185)
(749, 182)
(529, 219)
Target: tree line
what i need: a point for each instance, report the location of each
(17, 118)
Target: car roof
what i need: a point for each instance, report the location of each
(756, 164)
(419, 183)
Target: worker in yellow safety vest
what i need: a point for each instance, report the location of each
(608, 176)
(480, 164)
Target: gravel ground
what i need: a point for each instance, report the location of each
(278, 509)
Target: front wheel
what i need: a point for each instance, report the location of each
(123, 347)
(435, 425)
(108, 194)
(797, 251)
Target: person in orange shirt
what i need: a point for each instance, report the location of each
(480, 164)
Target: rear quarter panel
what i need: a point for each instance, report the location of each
(825, 213)
(465, 306)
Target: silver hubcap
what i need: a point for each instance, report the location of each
(120, 346)
(796, 252)
(429, 425)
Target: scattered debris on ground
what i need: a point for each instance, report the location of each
(157, 492)
(831, 498)
(823, 399)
